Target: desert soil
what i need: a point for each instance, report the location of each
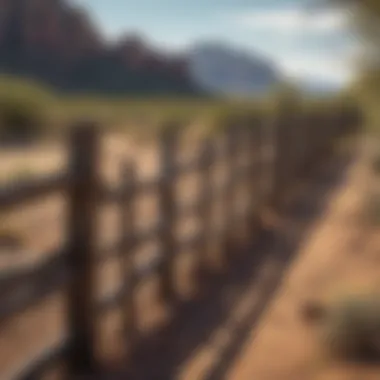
(40, 228)
(340, 256)
(339, 253)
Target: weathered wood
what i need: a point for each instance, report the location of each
(245, 186)
(255, 177)
(267, 154)
(167, 205)
(302, 144)
(186, 209)
(281, 161)
(128, 268)
(290, 148)
(17, 194)
(28, 272)
(298, 147)
(229, 196)
(141, 273)
(36, 368)
(142, 235)
(194, 164)
(145, 270)
(82, 199)
(116, 194)
(151, 185)
(28, 285)
(203, 261)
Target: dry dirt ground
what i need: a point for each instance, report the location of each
(41, 228)
(320, 248)
(252, 327)
(339, 256)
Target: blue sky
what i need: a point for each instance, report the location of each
(304, 45)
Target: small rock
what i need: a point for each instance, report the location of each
(313, 311)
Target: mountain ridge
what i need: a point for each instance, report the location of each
(58, 43)
(224, 68)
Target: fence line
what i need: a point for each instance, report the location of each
(298, 143)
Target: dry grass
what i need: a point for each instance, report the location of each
(53, 113)
(352, 328)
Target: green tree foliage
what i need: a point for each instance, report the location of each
(365, 23)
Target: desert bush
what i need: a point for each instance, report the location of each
(352, 328)
(23, 110)
(313, 311)
(371, 209)
(376, 163)
(26, 108)
(20, 120)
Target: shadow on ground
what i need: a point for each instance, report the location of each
(161, 357)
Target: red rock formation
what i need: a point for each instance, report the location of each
(132, 51)
(56, 30)
(179, 67)
(4, 15)
(81, 39)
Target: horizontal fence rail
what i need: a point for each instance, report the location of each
(15, 195)
(24, 287)
(276, 152)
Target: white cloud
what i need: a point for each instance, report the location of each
(295, 40)
(315, 64)
(292, 21)
(323, 68)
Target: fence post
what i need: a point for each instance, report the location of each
(303, 143)
(313, 140)
(168, 144)
(289, 148)
(268, 160)
(128, 270)
(256, 174)
(293, 150)
(205, 211)
(280, 162)
(81, 241)
(229, 191)
(242, 183)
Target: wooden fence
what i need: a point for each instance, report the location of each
(297, 142)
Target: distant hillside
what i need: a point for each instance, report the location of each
(224, 69)
(52, 41)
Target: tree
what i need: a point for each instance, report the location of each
(365, 23)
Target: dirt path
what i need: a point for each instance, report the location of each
(337, 256)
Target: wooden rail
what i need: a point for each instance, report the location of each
(298, 142)
(15, 195)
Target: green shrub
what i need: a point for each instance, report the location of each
(376, 164)
(352, 328)
(23, 110)
(372, 209)
(19, 119)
